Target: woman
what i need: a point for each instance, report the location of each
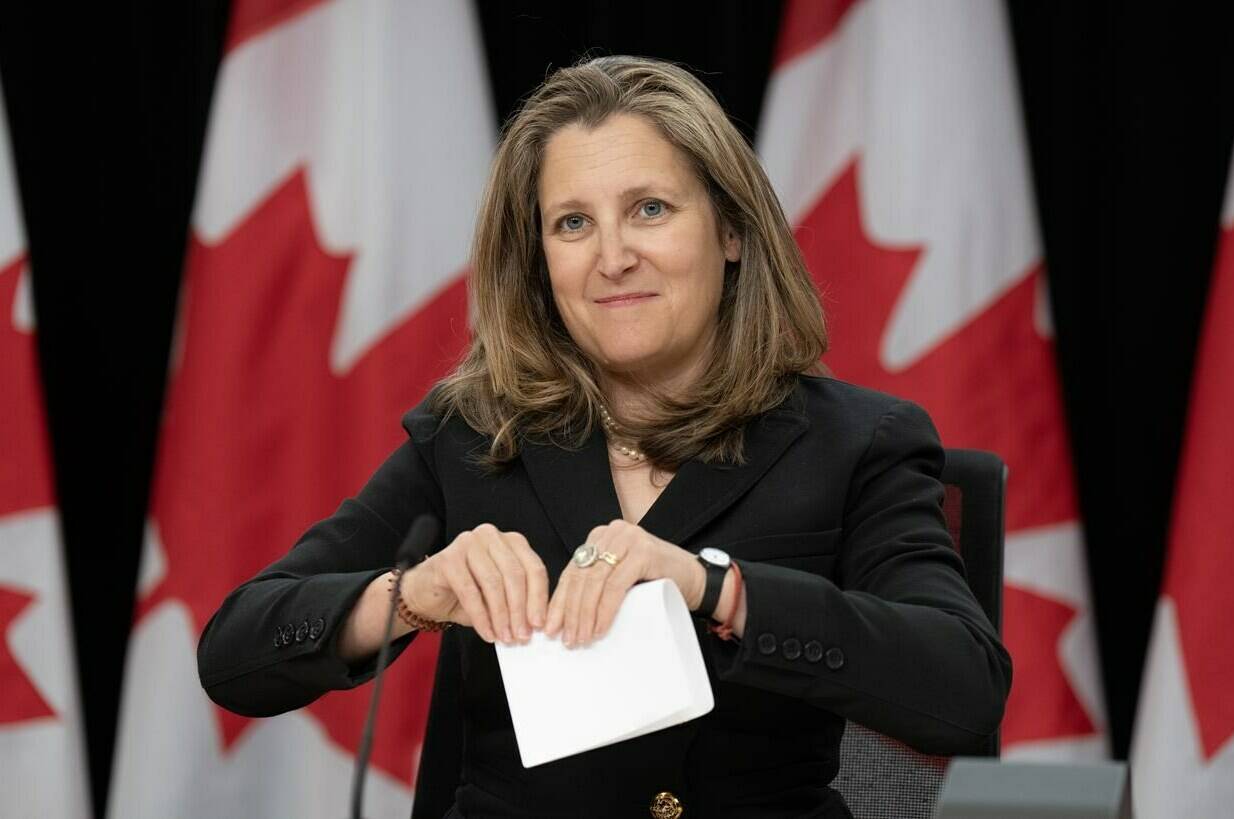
(639, 384)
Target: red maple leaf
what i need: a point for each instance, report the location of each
(1032, 625)
(25, 468)
(25, 481)
(21, 701)
(990, 385)
(260, 439)
(19, 698)
(1201, 547)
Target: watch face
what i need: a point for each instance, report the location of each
(716, 557)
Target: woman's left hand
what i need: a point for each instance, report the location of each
(586, 600)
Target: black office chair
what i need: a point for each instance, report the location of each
(878, 776)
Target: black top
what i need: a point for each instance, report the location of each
(857, 608)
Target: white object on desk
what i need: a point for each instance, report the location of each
(647, 673)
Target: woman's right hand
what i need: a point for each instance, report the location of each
(490, 580)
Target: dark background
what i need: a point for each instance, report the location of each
(1130, 117)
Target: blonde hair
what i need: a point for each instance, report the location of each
(525, 379)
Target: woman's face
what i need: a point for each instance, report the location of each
(634, 255)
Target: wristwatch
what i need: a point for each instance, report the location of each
(716, 562)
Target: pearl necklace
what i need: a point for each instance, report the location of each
(610, 426)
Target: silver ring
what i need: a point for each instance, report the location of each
(585, 555)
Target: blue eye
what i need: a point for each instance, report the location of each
(573, 222)
(653, 208)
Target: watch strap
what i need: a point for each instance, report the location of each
(712, 588)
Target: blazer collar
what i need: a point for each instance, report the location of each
(576, 486)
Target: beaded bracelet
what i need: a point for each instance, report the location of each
(408, 616)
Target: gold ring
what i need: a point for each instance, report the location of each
(608, 557)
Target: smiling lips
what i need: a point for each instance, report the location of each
(624, 299)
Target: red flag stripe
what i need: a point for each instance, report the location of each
(806, 24)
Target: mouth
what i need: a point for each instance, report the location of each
(623, 299)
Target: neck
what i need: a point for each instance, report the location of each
(631, 395)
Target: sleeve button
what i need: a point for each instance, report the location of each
(791, 648)
(835, 659)
(289, 632)
(302, 632)
(766, 643)
(315, 630)
(814, 651)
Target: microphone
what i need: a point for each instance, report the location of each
(419, 540)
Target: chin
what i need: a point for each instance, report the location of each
(625, 362)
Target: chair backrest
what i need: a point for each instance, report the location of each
(879, 777)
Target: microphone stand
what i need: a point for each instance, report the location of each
(419, 539)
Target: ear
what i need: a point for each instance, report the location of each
(732, 245)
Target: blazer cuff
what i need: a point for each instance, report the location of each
(780, 649)
(301, 660)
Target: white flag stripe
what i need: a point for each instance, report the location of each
(12, 237)
(1170, 777)
(1227, 210)
(921, 145)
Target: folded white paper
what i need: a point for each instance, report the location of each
(647, 673)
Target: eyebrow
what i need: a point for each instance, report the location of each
(628, 194)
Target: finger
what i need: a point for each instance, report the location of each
(488, 578)
(537, 579)
(556, 606)
(570, 606)
(625, 541)
(589, 599)
(623, 577)
(582, 613)
(514, 582)
(469, 597)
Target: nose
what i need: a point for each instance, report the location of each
(616, 257)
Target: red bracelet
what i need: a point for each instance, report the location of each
(725, 630)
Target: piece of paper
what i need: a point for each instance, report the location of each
(647, 673)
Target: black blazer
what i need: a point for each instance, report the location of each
(857, 608)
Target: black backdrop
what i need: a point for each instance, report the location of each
(1130, 116)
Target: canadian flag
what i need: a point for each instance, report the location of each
(323, 295)
(1182, 756)
(42, 758)
(892, 134)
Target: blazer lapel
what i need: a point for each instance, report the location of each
(574, 486)
(699, 492)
